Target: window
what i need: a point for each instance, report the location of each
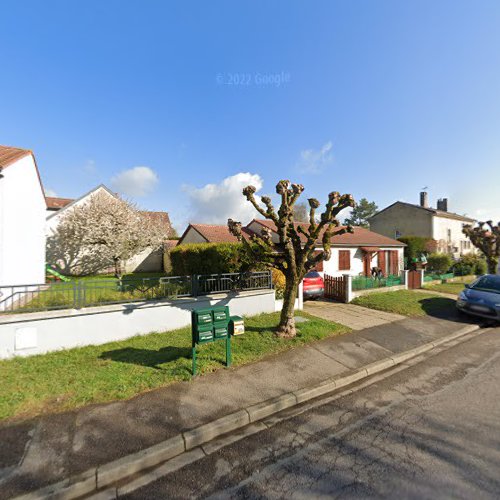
(344, 260)
(449, 234)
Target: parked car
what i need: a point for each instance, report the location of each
(481, 297)
(314, 286)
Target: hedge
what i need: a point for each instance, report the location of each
(209, 258)
(439, 262)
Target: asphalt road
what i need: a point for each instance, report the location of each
(431, 430)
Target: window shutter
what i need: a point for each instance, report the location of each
(344, 260)
(381, 261)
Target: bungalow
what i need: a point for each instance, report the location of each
(22, 219)
(145, 261)
(352, 253)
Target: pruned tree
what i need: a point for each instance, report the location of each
(361, 212)
(105, 230)
(300, 212)
(486, 237)
(295, 251)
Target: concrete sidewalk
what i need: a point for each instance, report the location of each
(54, 447)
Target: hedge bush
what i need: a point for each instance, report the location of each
(439, 262)
(209, 258)
(415, 246)
(470, 264)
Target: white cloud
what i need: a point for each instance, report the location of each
(135, 182)
(314, 161)
(215, 203)
(50, 192)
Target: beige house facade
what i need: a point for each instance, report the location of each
(443, 227)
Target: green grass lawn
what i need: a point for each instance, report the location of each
(406, 303)
(68, 379)
(451, 287)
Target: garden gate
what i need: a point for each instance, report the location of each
(335, 288)
(414, 279)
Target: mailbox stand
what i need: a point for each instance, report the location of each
(209, 325)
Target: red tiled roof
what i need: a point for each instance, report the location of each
(171, 243)
(360, 236)
(215, 233)
(9, 155)
(160, 218)
(54, 203)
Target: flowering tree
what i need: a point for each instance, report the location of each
(102, 232)
(486, 237)
(294, 254)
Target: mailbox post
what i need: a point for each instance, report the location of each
(209, 325)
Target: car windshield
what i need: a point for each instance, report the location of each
(313, 274)
(487, 283)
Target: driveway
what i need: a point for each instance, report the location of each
(355, 317)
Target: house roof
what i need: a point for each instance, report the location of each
(54, 203)
(160, 218)
(359, 237)
(430, 210)
(214, 233)
(9, 155)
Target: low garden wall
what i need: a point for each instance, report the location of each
(40, 332)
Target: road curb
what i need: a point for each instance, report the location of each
(188, 443)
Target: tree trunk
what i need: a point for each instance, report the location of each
(492, 264)
(286, 327)
(118, 268)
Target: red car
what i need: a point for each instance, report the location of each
(314, 286)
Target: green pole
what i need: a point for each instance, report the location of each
(193, 356)
(228, 350)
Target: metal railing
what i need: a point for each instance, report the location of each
(368, 282)
(83, 293)
(438, 277)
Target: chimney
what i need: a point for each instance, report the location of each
(443, 204)
(424, 199)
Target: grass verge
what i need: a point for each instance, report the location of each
(454, 287)
(407, 303)
(119, 370)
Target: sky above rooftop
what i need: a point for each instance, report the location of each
(178, 105)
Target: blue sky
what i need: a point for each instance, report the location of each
(377, 98)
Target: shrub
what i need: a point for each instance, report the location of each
(470, 264)
(278, 283)
(415, 246)
(209, 258)
(439, 262)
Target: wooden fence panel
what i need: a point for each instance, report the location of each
(335, 288)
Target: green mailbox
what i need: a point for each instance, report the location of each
(221, 314)
(209, 325)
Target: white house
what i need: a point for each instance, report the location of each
(352, 253)
(22, 219)
(146, 261)
(441, 226)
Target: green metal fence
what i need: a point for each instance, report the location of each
(367, 282)
(438, 277)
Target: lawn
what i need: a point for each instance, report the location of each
(69, 379)
(406, 303)
(451, 287)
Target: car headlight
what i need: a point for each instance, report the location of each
(461, 302)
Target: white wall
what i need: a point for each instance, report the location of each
(37, 333)
(193, 236)
(454, 242)
(331, 267)
(22, 225)
(54, 218)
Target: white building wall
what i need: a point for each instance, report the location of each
(193, 236)
(448, 233)
(331, 267)
(22, 225)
